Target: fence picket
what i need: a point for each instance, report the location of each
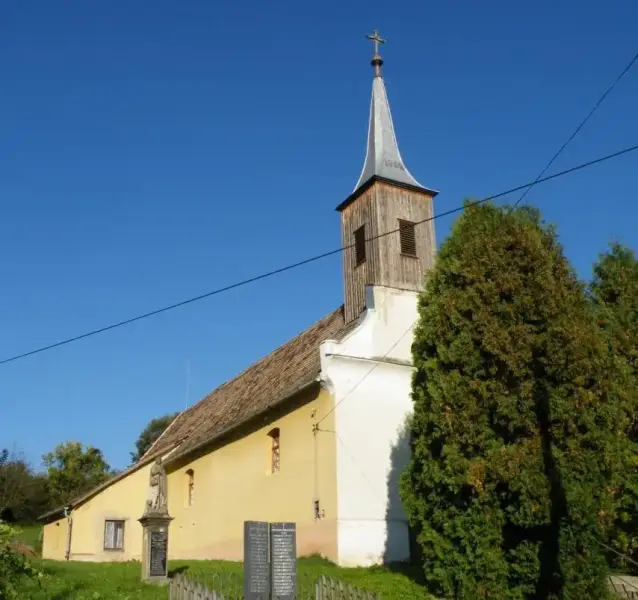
(228, 587)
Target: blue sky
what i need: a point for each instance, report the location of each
(154, 151)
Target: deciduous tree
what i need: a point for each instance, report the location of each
(15, 479)
(73, 470)
(149, 435)
(23, 493)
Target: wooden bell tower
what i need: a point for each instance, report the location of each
(387, 222)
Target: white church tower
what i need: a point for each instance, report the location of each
(387, 226)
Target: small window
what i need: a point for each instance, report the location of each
(190, 491)
(114, 535)
(407, 237)
(360, 245)
(275, 449)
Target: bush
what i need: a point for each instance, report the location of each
(14, 567)
(513, 434)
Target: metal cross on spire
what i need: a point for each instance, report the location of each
(376, 38)
(377, 61)
(383, 159)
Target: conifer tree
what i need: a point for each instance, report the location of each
(513, 432)
(614, 293)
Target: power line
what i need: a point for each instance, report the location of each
(625, 557)
(577, 130)
(352, 459)
(303, 262)
(365, 376)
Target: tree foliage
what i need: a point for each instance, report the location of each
(74, 470)
(513, 434)
(15, 479)
(614, 294)
(149, 435)
(23, 493)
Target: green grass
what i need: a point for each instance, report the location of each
(121, 581)
(90, 581)
(390, 584)
(30, 535)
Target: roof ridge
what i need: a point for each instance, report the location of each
(267, 379)
(160, 436)
(269, 355)
(274, 377)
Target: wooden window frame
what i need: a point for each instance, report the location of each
(115, 522)
(407, 238)
(360, 245)
(275, 450)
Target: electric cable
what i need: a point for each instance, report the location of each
(577, 130)
(312, 259)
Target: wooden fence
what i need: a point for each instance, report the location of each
(624, 587)
(331, 589)
(228, 587)
(182, 588)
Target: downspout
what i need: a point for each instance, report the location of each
(69, 529)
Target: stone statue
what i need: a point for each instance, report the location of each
(157, 500)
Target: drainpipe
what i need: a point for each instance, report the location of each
(69, 529)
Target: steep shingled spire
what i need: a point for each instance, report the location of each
(383, 158)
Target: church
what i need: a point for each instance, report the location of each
(313, 433)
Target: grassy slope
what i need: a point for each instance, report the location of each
(30, 535)
(94, 581)
(112, 581)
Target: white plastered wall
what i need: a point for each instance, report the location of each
(370, 376)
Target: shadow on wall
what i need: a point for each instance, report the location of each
(401, 551)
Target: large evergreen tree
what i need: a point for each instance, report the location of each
(513, 433)
(614, 293)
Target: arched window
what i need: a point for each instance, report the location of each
(190, 492)
(275, 451)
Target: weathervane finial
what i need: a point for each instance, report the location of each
(377, 61)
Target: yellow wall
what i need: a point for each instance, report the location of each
(234, 483)
(124, 500)
(54, 540)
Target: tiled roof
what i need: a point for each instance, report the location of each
(263, 385)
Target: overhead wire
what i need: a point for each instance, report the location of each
(378, 362)
(577, 130)
(312, 259)
(526, 190)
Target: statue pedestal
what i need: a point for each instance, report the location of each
(155, 547)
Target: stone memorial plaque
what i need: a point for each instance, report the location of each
(158, 549)
(256, 565)
(283, 559)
